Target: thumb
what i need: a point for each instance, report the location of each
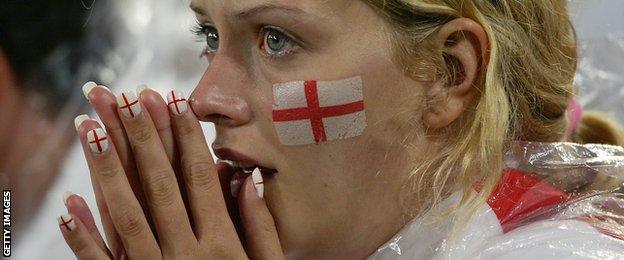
(262, 241)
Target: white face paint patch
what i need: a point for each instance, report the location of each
(312, 112)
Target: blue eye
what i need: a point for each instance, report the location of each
(208, 33)
(212, 38)
(276, 43)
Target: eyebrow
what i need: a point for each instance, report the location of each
(253, 11)
(197, 9)
(267, 7)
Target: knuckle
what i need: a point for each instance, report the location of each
(129, 222)
(199, 175)
(266, 226)
(80, 247)
(108, 172)
(160, 187)
(141, 134)
(185, 128)
(220, 251)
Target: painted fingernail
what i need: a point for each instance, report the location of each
(79, 119)
(258, 182)
(176, 102)
(89, 86)
(98, 141)
(66, 196)
(66, 222)
(129, 104)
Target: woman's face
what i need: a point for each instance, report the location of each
(328, 194)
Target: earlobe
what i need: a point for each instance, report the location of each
(462, 44)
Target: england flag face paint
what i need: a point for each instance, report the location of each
(313, 112)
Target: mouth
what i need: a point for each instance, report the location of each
(242, 166)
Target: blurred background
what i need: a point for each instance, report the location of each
(126, 43)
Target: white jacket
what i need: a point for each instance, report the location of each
(555, 201)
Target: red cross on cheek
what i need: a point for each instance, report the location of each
(316, 113)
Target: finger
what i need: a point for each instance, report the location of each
(200, 174)
(83, 125)
(228, 185)
(105, 104)
(124, 209)
(78, 207)
(157, 109)
(78, 238)
(157, 176)
(262, 241)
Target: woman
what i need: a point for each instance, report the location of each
(337, 123)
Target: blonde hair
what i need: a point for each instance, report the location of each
(523, 94)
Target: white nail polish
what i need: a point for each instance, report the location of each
(258, 182)
(98, 141)
(79, 119)
(87, 87)
(129, 104)
(67, 222)
(66, 196)
(140, 89)
(176, 102)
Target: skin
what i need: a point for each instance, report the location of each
(335, 200)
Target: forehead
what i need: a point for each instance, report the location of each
(238, 7)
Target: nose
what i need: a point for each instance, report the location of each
(218, 98)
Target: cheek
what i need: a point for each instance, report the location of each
(314, 112)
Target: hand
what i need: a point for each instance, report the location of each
(209, 231)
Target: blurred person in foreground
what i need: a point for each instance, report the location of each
(46, 48)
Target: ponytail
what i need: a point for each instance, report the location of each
(599, 128)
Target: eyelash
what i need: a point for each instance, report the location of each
(263, 33)
(200, 31)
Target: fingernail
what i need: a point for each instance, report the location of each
(129, 104)
(66, 222)
(98, 142)
(176, 102)
(258, 182)
(79, 119)
(140, 89)
(89, 86)
(66, 196)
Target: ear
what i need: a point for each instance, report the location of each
(463, 44)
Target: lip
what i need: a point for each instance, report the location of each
(225, 153)
(232, 155)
